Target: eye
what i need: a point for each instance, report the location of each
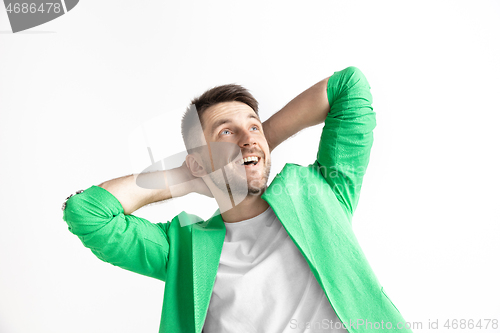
(223, 132)
(256, 128)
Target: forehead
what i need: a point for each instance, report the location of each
(227, 112)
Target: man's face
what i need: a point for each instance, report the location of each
(237, 123)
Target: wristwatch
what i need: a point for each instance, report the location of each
(64, 203)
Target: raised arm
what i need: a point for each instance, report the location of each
(343, 102)
(347, 137)
(130, 242)
(136, 191)
(307, 109)
(101, 217)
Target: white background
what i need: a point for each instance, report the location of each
(73, 89)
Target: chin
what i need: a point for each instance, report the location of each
(257, 187)
(256, 191)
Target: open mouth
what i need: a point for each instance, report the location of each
(249, 161)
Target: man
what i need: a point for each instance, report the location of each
(282, 259)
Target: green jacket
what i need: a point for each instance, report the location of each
(315, 204)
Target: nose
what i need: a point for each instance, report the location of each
(247, 140)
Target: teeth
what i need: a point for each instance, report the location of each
(251, 158)
(248, 159)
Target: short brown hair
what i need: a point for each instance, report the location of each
(216, 95)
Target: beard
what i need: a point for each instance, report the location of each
(235, 182)
(254, 188)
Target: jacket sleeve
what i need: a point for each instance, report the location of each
(347, 136)
(127, 241)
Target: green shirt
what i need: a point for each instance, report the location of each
(315, 204)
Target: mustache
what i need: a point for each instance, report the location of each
(225, 153)
(257, 152)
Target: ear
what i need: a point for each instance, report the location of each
(193, 163)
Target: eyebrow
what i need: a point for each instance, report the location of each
(229, 121)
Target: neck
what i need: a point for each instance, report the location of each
(250, 207)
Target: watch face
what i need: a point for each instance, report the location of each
(64, 203)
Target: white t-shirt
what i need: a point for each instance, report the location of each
(264, 284)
